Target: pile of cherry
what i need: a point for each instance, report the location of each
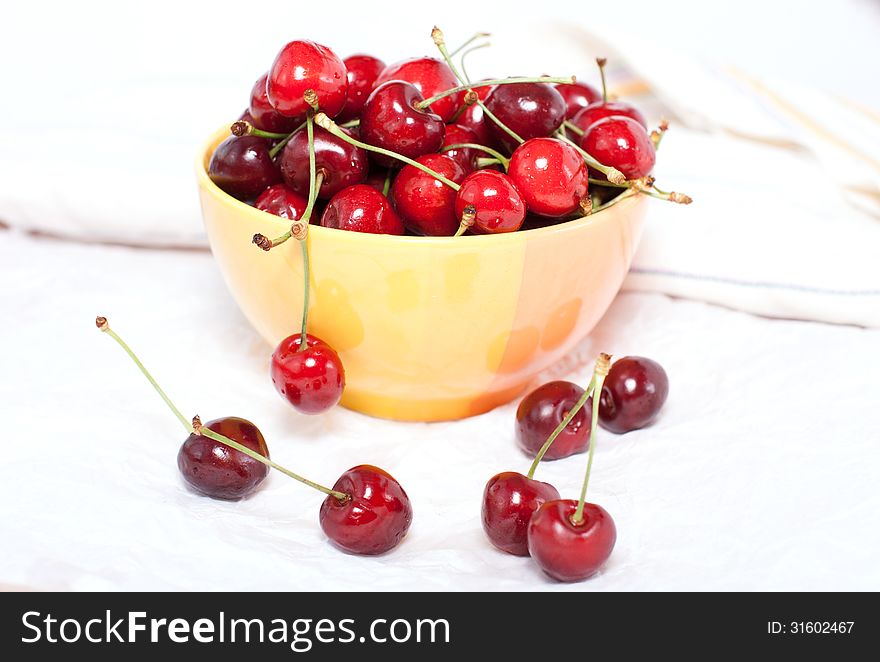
(286, 154)
(416, 147)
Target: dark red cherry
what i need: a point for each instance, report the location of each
(242, 166)
(282, 201)
(362, 208)
(542, 410)
(509, 501)
(342, 163)
(361, 72)
(551, 175)
(221, 472)
(375, 517)
(585, 118)
(465, 156)
(499, 204)
(430, 77)
(305, 65)
(263, 115)
(622, 143)
(567, 551)
(427, 205)
(530, 110)
(577, 96)
(311, 379)
(633, 394)
(390, 120)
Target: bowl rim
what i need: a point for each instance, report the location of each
(207, 184)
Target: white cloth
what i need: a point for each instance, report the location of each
(761, 473)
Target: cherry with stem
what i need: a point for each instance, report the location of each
(467, 87)
(613, 174)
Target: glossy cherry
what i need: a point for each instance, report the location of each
(311, 379)
(341, 163)
(362, 208)
(551, 175)
(242, 167)
(585, 118)
(464, 156)
(374, 518)
(305, 65)
(577, 96)
(361, 72)
(261, 113)
(567, 551)
(500, 206)
(622, 143)
(219, 471)
(427, 205)
(390, 120)
(530, 110)
(633, 394)
(430, 77)
(282, 201)
(542, 410)
(509, 501)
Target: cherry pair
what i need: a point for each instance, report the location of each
(366, 511)
(569, 539)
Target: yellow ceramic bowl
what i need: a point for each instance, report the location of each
(428, 328)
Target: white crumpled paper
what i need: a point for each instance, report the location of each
(761, 473)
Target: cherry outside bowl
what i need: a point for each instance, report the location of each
(428, 328)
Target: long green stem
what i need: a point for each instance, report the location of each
(387, 185)
(478, 35)
(485, 162)
(303, 338)
(196, 426)
(601, 61)
(495, 81)
(315, 181)
(495, 153)
(463, 60)
(559, 428)
(102, 324)
(329, 125)
(574, 128)
(603, 364)
(613, 174)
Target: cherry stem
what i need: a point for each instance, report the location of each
(315, 181)
(613, 174)
(496, 81)
(498, 156)
(468, 216)
(387, 185)
(242, 128)
(329, 125)
(437, 36)
(485, 162)
(479, 35)
(196, 427)
(603, 364)
(350, 124)
(574, 128)
(274, 151)
(463, 59)
(559, 428)
(601, 61)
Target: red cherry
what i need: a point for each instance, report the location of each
(361, 72)
(390, 120)
(585, 118)
(311, 379)
(219, 471)
(567, 551)
(499, 204)
(430, 77)
(465, 157)
(622, 143)
(375, 517)
(530, 110)
(262, 115)
(426, 204)
(633, 394)
(509, 501)
(577, 96)
(341, 163)
(362, 208)
(282, 201)
(242, 167)
(542, 410)
(551, 176)
(305, 65)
